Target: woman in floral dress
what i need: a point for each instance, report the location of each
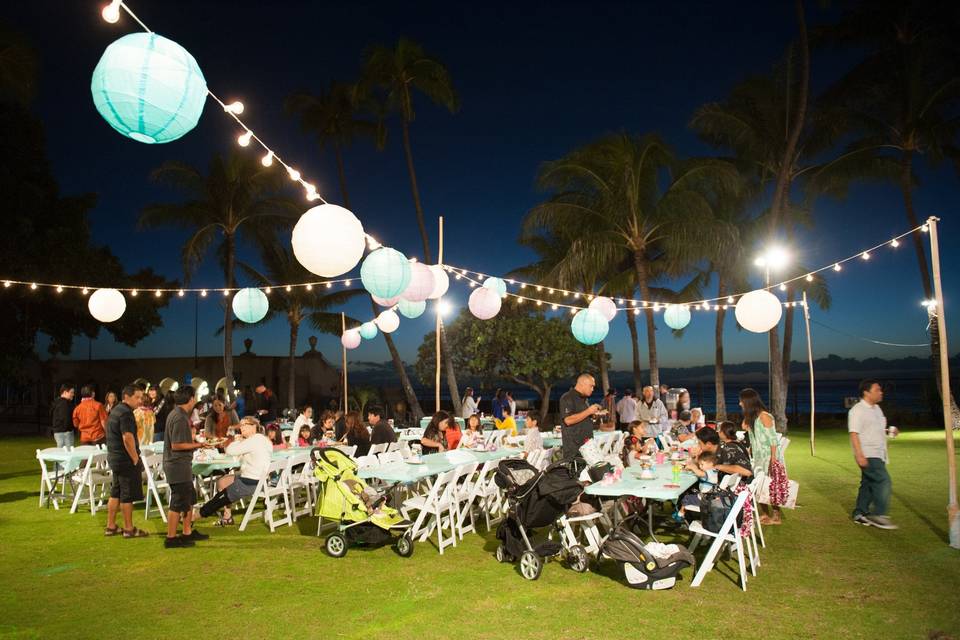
(767, 456)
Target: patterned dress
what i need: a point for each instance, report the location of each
(762, 438)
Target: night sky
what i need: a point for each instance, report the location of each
(535, 81)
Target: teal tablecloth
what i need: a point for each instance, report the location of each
(433, 464)
(630, 484)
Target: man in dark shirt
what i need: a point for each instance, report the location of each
(61, 416)
(265, 404)
(178, 447)
(382, 433)
(577, 416)
(123, 456)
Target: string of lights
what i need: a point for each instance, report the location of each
(179, 291)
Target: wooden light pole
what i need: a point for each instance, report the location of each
(343, 327)
(439, 305)
(806, 319)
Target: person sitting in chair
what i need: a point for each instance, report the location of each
(255, 451)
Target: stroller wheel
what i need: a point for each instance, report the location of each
(336, 545)
(530, 565)
(578, 559)
(405, 545)
(502, 555)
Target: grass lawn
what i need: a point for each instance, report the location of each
(822, 576)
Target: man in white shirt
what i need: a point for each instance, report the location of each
(255, 452)
(469, 406)
(868, 437)
(627, 410)
(653, 412)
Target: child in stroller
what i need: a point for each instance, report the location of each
(361, 513)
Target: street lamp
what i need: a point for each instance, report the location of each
(775, 258)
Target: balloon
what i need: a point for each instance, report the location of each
(589, 326)
(441, 281)
(605, 306)
(350, 338)
(677, 316)
(421, 283)
(106, 305)
(388, 321)
(368, 330)
(385, 272)
(412, 309)
(328, 240)
(496, 284)
(250, 305)
(484, 303)
(758, 311)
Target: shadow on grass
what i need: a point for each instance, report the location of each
(15, 496)
(18, 474)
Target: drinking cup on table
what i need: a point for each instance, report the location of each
(661, 457)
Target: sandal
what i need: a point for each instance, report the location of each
(110, 531)
(135, 533)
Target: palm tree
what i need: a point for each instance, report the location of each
(396, 73)
(611, 192)
(234, 201)
(298, 304)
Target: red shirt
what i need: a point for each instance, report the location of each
(453, 437)
(89, 417)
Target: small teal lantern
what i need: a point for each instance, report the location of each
(496, 284)
(677, 316)
(385, 273)
(411, 309)
(589, 326)
(368, 331)
(250, 305)
(148, 88)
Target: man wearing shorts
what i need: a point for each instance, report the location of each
(178, 448)
(123, 456)
(255, 451)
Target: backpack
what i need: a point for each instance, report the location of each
(715, 506)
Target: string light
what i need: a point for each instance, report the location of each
(180, 293)
(267, 290)
(85, 291)
(226, 292)
(865, 255)
(203, 294)
(925, 228)
(267, 160)
(809, 277)
(111, 12)
(59, 289)
(134, 293)
(730, 299)
(244, 139)
(837, 267)
(346, 283)
(235, 107)
(309, 287)
(6, 284)
(294, 174)
(33, 286)
(783, 286)
(156, 293)
(289, 288)
(894, 243)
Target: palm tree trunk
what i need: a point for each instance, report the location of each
(640, 266)
(450, 371)
(338, 152)
(416, 192)
(292, 382)
(602, 361)
(635, 347)
(718, 354)
(788, 339)
(408, 391)
(227, 319)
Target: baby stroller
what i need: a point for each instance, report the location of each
(361, 513)
(536, 499)
(642, 568)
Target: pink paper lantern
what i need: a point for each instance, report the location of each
(350, 339)
(605, 306)
(421, 284)
(484, 303)
(386, 302)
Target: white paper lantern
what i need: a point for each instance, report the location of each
(388, 321)
(497, 284)
(759, 311)
(386, 302)
(350, 338)
(412, 309)
(107, 305)
(441, 281)
(484, 303)
(328, 240)
(677, 316)
(606, 307)
(385, 272)
(368, 331)
(421, 283)
(589, 326)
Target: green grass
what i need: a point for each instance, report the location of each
(822, 577)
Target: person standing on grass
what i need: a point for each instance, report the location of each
(469, 404)
(61, 416)
(626, 410)
(123, 456)
(577, 416)
(868, 437)
(178, 448)
(767, 455)
(90, 418)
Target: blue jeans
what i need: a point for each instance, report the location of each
(64, 438)
(875, 489)
(158, 437)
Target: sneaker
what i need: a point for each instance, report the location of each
(862, 519)
(177, 542)
(882, 522)
(196, 535)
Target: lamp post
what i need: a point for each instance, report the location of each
(775, 258)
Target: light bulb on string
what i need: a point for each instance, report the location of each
(346, 283)
(329, 285)
(783, 287)
(837, 267)
(180, 293)
(636, 312)
(134, 292)
(293, 173)
(59, 289)
(156, 293)
(6, 284)
(226, 292)
(925, 228)
(203, 294)
(235, 107)
(309, 287)
(554, 307)
(809, 277)
(267, 160)
(267, 290)
(244, 139)
(539, 302)
(894, 243)
(33, 286)
(729, 299)
(539, 288)
(86, 291)
(656, 307)
(111, 12)
(865, 255)
(289, 288)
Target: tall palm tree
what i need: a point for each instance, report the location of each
(299, 304)
(234, 201)
(395, 74)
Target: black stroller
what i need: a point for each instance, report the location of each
(535, 499)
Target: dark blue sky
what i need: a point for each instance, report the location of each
(535, 80)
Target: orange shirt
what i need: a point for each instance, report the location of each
(89, 417)
(453, 437)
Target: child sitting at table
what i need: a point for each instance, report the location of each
(706, 462)
(453, 435)
(473, 433)
(533, 441)
(636, 444)
(275, 436)
(304, 439)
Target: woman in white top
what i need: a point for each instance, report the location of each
(255, 452)
(305, 419)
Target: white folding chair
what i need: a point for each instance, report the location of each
(489, 495)
(604, 441)
(300, 481)
(93, 476)
(390, 456)
(495, 437)
(269, 494)
(153, 468)
(439, 505)
(755, 486)
(464, 493)
(350, 451)
(378, 448)
(52, 476)
(393, 446)
(366, 461)
(729, 534)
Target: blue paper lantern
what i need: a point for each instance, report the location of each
(250, 305)
(385, 273)
(496, 284)
(677, 316)
(148, 88)
(411, 309)
(368, 331)
(589, 326)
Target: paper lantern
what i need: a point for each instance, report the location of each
(368, 331)
(148, 88)
(605, 306)
(250, 305)
(589, 326)
(484, 303)
(328, 240)
(677, 316)
(496, 284)
(441, 281)
(106, 305)
(758, 311)
(421, 283)
(386, 302)
(412, 309)
(385, 272)
(350, 339)
(388, 321)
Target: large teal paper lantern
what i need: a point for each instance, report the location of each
(677, 316)
(385, 273)
(250, 305)
(411, 309)
(496, 284)
(368, 331)
(589, 326)
(148, 88)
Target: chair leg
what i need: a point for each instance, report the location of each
(740, 560)
(707, 564)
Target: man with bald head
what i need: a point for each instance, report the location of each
(653, 412)
(577, 415)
